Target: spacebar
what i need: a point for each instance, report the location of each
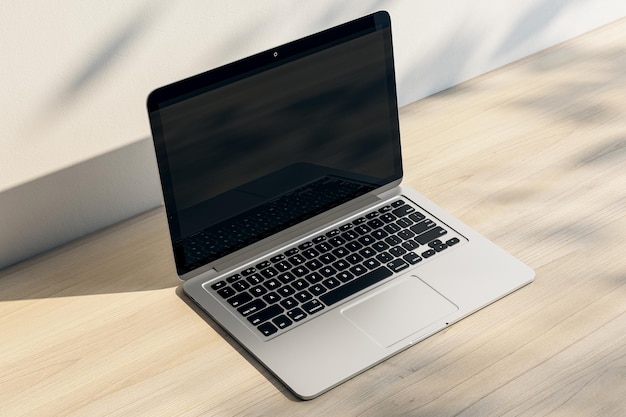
(355, 286)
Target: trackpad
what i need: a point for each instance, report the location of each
(398, 310)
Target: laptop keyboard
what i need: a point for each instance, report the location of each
(289, 288)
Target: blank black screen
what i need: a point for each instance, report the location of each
(266, 148)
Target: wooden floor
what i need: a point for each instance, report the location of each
(533, 155)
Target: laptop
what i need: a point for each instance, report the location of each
(281, 176)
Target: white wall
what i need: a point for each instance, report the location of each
(75, 149)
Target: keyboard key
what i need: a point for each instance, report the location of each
(241, 285)
(271, 297)
(218, 285)
(267, 329)
(331, 283)
(375, 223)
(412, 258)
(384, 257)
(286, 277)
(452, 241)
(355, 286)
(226, 292)
(317, 289)
(384, 209)
(296, 314)
(248, 271)
(266, 314)
(358, 270)
(254, 279)
(417, 216)
(300, 284)
(271, 284)
(289, 302)
(269, 272)
(410, 245)
(430, 235)
(286, 291)
(404, 222)
(366, 240)
(300, 271)
(327, 258)
(291, 252)
(439, 248)
(312, 306)
(314, 277)
(277, 258)
(428, 253)
(240, 299)
(283, 266)
(379, 234)
(340, 252)
(314, 264)
(388, 217)
(319, 239)
(303, 296)
(328, 271)
(341, 264)
(282, 321)
(263, 265)
(354, 258)
(397, 203)
(403, 210)
(258, 291)
(353, 246)
(380, 246)
(251, 307)
(362, 229)
(337, 241)
(397, 251)
(371, 263)
(310, 253)
(405, 234)
(344, 276)
(397, 265)
(349, 235)
(233, 278)
(332, 233)
(323, 247)
(392, 228)
(305, 245)
(422, 226)
(296, 260)
(393, 240)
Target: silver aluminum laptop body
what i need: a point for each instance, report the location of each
(230, 256)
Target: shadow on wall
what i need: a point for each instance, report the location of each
(78, 200)
(103, 60)
(455, 58)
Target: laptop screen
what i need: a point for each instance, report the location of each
(257, 146)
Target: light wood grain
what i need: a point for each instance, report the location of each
(533, 155)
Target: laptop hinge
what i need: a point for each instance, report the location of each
(205, 271)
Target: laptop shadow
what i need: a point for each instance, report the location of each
(237, 347)
(133, 255)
